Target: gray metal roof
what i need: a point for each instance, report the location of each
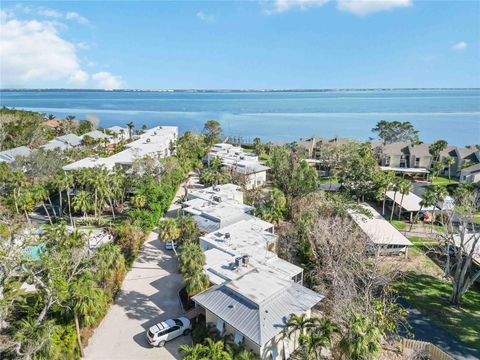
(10, 154)
(55, 144)
(260, 322)
(70, 139)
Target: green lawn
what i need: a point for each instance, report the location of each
(476, 218)
(430, 296)
(424, 287)
(399, 225)
(328, 180)
(443, 181)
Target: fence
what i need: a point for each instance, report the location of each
(433, 351)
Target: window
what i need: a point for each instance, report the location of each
(387, 161)
(178, 322)
(220, 324)
(417, 161)
(238, 338)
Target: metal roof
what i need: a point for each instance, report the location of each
(10, 154)
(378, 230)
(259, 321)
(411, 202)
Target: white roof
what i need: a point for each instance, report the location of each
(246, 237)
(405, 170)
(70, 139)
(411, 202)
(10, 154)
(90, 162)
(96, 134)
(55, 144)
(225, 192)
(118, 129)
(220, 266)
(378, 230)
(213, 216)
(153, 141)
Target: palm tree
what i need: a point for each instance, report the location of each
(17, 182)
(51, 117)
(449, 161)
(192, 258)
(189, 231)
(404, 187)
(196, 282)
(130, 126)
(395, 185)
(26, 203)
(70, 117)
(82, 202)
(88, 301)
(214, 350)
(362, 342)
(110, 265)
(297, 324)
(168, 231)
(196, 352)
(387, 183)
(40, 195)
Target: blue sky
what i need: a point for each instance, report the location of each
(255, 44)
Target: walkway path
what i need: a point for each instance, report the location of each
(149, 294)
(424, 330)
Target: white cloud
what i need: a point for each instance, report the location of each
(33, 50)
(71, 15)
(462, 45)
(79, 77)
(49, 13)
(365, 7)
(35, 54)
(90, 64)
(106, 80)
(83, 45)
(280, 6)
(205, 17)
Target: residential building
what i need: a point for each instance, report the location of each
(236, 160)
(470, 174)
(64, 142)
(254, 308)
(218, 193)
(155, 141)
(211, 216)
(52, 123)
(314, 147)
(384, 238)
(9, 155)
(246, 237)
(118, 132)
(417, 156)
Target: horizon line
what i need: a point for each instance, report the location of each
(241, 90)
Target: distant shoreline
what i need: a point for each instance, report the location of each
(238, 90)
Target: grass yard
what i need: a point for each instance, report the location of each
(425, 288)
(430, 295)
(443, 181)
(399, 225)
(328, 180)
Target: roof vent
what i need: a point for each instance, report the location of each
(231, 306)
(227, 236)
(238, 262)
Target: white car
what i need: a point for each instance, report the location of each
(169, 246)
(168, 330)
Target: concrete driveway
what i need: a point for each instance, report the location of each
(149, 294)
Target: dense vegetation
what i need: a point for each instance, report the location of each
(53, 289)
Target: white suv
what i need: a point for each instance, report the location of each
(168, 330)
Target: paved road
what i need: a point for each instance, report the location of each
(148, 295)
(423, 329)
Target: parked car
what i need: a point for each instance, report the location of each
(159, 334)
(168, 245)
